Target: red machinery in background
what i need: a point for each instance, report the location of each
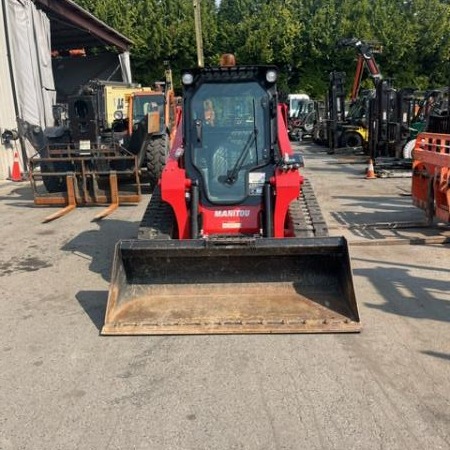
(431, 175)
(431, 163)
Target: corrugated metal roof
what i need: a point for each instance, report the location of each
(74, 27)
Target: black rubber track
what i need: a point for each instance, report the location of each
(158, 221)
(306, 215)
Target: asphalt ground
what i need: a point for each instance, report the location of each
(63, 386)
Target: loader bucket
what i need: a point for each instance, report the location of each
(294, 285)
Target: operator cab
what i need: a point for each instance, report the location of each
(229, 120)
(146, 103)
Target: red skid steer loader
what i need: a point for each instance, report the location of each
(233, 240)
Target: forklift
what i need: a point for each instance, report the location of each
(390, 115)
(350, 129)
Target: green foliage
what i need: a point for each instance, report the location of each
(299, 36)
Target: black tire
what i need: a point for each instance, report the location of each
(308, 128)
(352, 139)
(55, 183)
(157, 149)
(430, 209)
(319, 136)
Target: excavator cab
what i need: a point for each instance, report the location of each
(232, 240)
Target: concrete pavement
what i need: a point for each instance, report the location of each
(62, 386)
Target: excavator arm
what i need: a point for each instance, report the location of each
(365, 58)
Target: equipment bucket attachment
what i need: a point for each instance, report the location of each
(293, 285)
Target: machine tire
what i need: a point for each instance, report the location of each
(55, 184)
(157, 149)
(308, 128)
(408, 148)
(353, 139)
(319, 136)
(430, 209)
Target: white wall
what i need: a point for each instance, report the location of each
(7, 113)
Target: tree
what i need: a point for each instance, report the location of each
(299, 36)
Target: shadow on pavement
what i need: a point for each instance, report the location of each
(380, 209)
(98, 245)
(94, 305)
(437, 354)
(408, 295)
(17, 195)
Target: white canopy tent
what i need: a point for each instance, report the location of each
(7, 111)
(30, 44)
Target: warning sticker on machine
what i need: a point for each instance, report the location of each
(256, 182)
(85, 144)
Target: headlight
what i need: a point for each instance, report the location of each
(271, 76)
(187, 78)
(118, 115)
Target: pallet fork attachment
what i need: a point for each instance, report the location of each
(91, 180)
(71, 201)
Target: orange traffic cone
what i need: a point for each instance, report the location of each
(370, 174)
(15, 171)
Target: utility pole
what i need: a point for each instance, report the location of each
(198, 32)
